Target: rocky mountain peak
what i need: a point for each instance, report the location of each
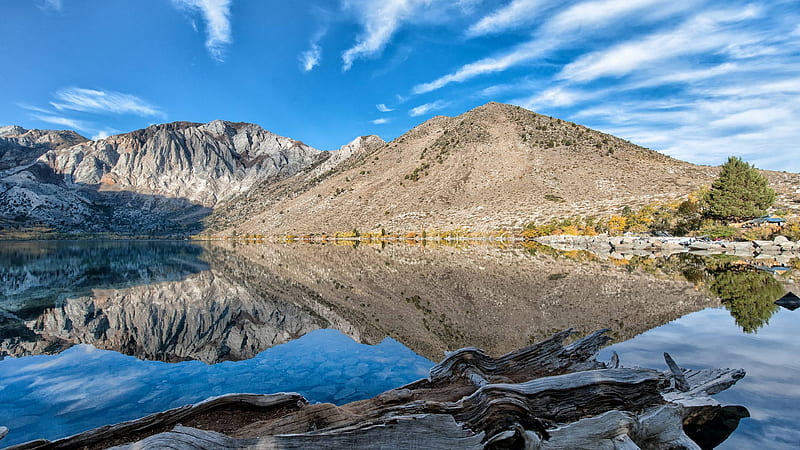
(362, 143)
(19, 147)
(204, 163)
(12, 130)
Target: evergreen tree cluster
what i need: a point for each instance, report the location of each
(740, 192)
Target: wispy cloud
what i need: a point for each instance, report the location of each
(513, 15)
(578, 21)
(216, 14)
(380, 20)
(558, 96)
(87, 128)
(519, 54)
(311, 57)
(51, 5)
(73, 124)
(383, 108)
(92, 106)
(381, 121)
(97, 101)
(427, 107)
(701, 33)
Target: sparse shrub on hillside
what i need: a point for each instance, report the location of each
(573, 226)
(718, 231)
(792, 230)
(640, 221)
(740, 192)
(617, 225)
(674, 217)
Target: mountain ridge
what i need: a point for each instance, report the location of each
(496, 166)
(488, 168)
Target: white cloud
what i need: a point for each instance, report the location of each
(689, 75)
(558, 96)
(104, 133)
(84, 127)
(513, 15)
(34, 108)
(759, 117)
(577, 21)
(216, 14)
(758, 89)
(383, 108)
(380, 20)
(73, 124)
(311, 57)
(427, 107)
(96, 101)
(51, 5)
(519, 54)
(381, 121)
(598, 13)
(700, 34)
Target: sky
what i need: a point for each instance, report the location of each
(697, 80)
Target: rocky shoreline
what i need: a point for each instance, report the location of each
(780, 249)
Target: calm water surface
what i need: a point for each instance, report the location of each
(100, 332)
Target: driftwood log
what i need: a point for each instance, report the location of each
(545, 396)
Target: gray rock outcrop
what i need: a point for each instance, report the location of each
(203, 163)
(161, 180)
(19, 146)
(605, 245)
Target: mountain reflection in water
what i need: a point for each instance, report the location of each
(178, 301)
(216, 302)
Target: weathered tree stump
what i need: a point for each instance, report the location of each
(545, 396)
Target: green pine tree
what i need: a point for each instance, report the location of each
(740, 192)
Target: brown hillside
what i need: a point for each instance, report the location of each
(497, 166)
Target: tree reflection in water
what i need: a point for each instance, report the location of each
(749, 295)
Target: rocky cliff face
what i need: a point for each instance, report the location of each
(162, 180)
(19, 146)
(202, 163)
(205, 317)
(268, 193)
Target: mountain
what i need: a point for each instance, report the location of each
(163, 179)
(496, 166)
(19, 146)
(264, 195)
(202, 163)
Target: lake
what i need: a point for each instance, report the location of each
(97, 332)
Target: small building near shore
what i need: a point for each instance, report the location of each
(766, 221)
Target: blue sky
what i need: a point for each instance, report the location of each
(697, 80)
